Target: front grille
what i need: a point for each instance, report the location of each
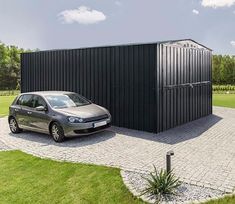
(91, 130)
(100, 117)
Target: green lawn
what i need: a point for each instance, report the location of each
(5, 102)
(225, 200)
(225, 100)
(28, 179)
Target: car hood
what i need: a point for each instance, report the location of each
(87, 111)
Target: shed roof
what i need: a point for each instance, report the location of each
(180, 42)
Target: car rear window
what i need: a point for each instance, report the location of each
(26, 100)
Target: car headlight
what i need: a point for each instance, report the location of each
(75, 119)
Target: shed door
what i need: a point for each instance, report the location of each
(186, 90)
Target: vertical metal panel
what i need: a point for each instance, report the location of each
(144, 86)
(119, 78)
(186, 87)
(158, 88)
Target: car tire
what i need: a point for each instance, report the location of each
(13, 125)
(57, 132)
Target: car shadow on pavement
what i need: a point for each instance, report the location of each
(45, 139)
(172, 136)
(175, 135)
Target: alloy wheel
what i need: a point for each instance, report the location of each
(55, 132)
(13, 125)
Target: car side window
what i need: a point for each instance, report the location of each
(26, 100)
(19, 100)
(39, 101)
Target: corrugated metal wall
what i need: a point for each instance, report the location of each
(184, 85)
(150, 87)
(119, 78)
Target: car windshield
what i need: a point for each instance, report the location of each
(66, 100)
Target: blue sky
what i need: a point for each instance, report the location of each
(55, 24)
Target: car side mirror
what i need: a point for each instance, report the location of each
(41, 108)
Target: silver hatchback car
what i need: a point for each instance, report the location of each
(58, 113)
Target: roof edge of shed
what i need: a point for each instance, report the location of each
(127, 44)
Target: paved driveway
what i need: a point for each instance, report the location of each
(204, 149)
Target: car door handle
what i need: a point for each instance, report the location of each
(29, 112)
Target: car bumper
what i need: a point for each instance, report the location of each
(71, 130)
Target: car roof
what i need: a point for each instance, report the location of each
(44, 93)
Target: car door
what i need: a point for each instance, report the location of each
(23, 110)
(39, 120)
(17, 110)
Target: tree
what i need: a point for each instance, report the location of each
(223, 69)
(216, 68)
(9, 67)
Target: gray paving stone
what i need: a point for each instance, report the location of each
(4, 147)
(204, 149)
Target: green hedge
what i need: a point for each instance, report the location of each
(216, 89)
(223, 88)
(9, 92)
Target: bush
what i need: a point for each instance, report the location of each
(161, 184)
(223, 88)
(9, 92)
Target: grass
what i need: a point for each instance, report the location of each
(28, 179)
(5, 102)
(225, 100)
(225, 200)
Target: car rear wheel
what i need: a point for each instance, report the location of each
(14, 126)
(57, 132)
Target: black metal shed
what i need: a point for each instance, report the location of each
(150, 87)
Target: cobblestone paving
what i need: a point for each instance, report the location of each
(204, 149)
(4, 147)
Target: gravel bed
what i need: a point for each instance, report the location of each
(186, 193)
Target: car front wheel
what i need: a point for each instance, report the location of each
(14, 126)
(57, 132)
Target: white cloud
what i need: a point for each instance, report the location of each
(196, 12)
(82, 15)
(118, 3)
(233, 43)
(217, 3)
